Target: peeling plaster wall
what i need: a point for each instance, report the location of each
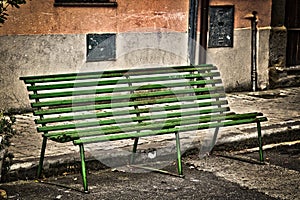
(244, 7)
(41, 17)
(235, 63)
(39, 38)
(51, 54)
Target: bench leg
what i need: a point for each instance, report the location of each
(83, 169)
(40, 167)
(136, 141)
(261, 155)
(179, 165)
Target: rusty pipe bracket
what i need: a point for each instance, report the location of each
(251, 16)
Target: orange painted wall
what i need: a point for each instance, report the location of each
(244, 7)
(41, 17)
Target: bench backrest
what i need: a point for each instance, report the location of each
(126, 103)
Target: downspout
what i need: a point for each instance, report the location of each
(192, 30)
(203, 31)
(193, 27)
(253, 18)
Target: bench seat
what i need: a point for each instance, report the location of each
(104, 106)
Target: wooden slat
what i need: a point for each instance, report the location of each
(118, 89)
(114, 89)
(126, 112)
(118, 98)
(74, 108)
(122, 81)
(114, 73)
(166, 131)
(164, 116)
(181, 122)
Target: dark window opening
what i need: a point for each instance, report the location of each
(107, 3)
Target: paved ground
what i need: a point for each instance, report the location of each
(216, 177)
(118, 185)
(233, 177)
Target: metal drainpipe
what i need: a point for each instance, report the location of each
(203, 31)
(193, 22)
(253, 18)
(193, 25)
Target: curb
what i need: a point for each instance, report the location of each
(235, 140)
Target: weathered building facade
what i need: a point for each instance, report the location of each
(47, 37)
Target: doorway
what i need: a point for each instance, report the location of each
(292, 23)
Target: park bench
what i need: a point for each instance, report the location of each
(127, 104)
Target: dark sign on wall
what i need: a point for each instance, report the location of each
(221, 26)
(101, 47)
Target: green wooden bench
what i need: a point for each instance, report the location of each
(113, 105)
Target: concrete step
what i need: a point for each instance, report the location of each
(289, 81)
(287, 77)
(294, 70)
(286, 81)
